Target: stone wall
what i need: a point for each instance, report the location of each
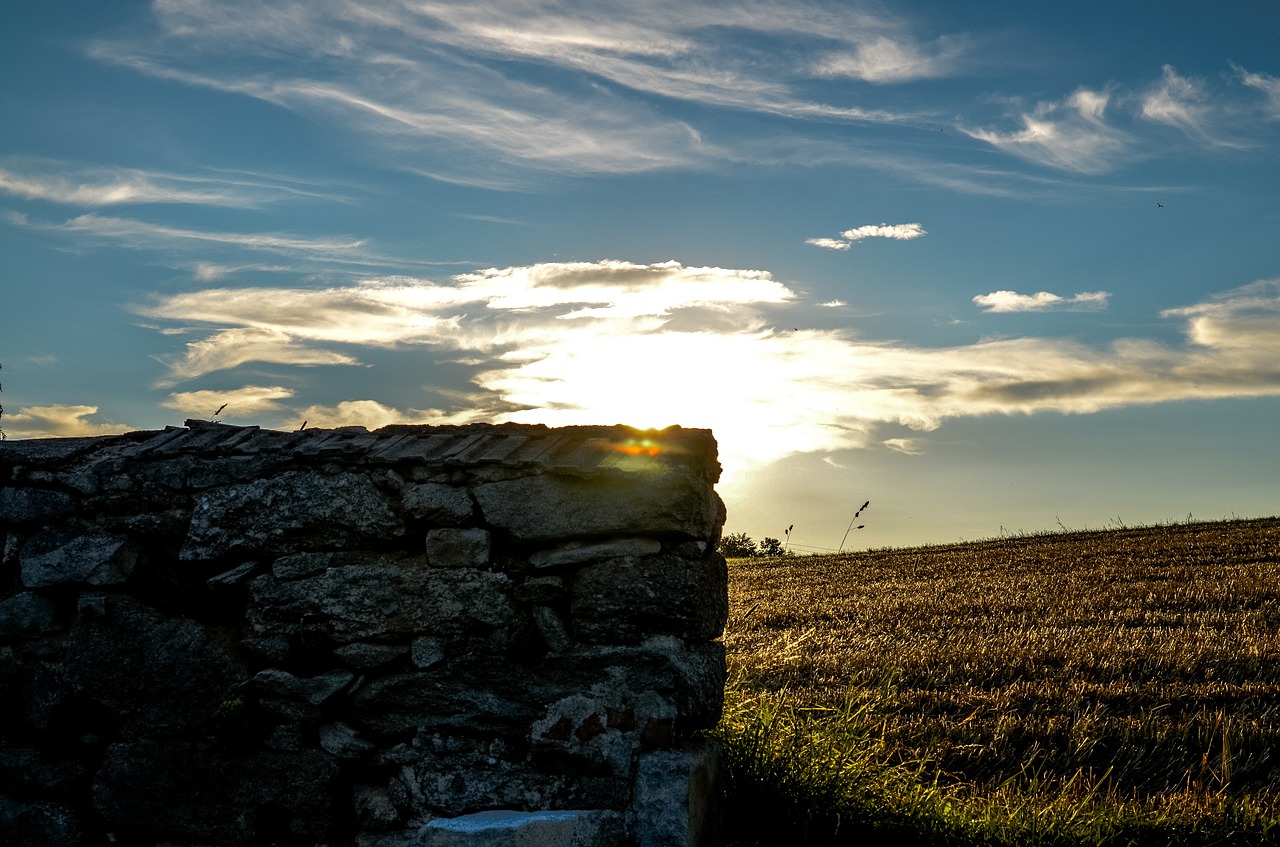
(216, 635)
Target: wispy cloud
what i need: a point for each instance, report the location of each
(1267, 84)
(1186, 104)
(1042, 301)
(572, 343)
(1072, 134)
(230, 348)
(77, 184)
(438, 81)
(895, 232)
(63, 421)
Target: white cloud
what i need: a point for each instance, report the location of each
(1041, 301)
(899, 232)
(1186, 104)
(833, 304)
(234, 404)
(828, 243)
(1267, 84)
(906, 446)
(230, 348)
(1072, 134)
(59, 421)
(372, 415)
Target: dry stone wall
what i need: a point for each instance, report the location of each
(413, 636)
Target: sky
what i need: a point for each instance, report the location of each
(994, 267)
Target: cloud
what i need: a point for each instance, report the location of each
(828, 243)
(1072, 134)
(1183, 103)
(906, 446)
(57, 422)
(143, 234)
(231, 348)
(372, 415)
(833, 304)
(72, 183)
(237, 404)
(1267, 84)
(1041, 301)
(899, 232)
(658, 344)
(448, 85)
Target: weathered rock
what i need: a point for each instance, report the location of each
(458, 548)
(148, 674)
(313, 690)
(427, 652)
(364, 656)
(552, 507)
(32, 505)
(591, 828)
(577, 552)
(677, 797)
(380, 598)
(27, 614)
(56, 556)
(374, 808)
(294, 511)
(437, 504)
(339, 739)
(628, 599)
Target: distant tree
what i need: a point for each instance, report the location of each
(737, 546)
(772, 547)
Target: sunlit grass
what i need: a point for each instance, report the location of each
(1086, 688)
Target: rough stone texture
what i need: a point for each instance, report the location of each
(228, 635)
(677, 797)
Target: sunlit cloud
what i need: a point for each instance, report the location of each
(1072, 134)
(238, 403)
(659, 344)
(372, 415)
(57, 422)
(1042, 301)
(833, 304)
(230, 348)
(906, 446)
(143, 234)
(884, 58)
(895, 232)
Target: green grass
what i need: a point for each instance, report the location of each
(1097, 688)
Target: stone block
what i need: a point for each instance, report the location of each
(57, 556)
(577, 552)
(29, 505)
(292, 512)
(588, 828)
(628, 599)
(27, 615)
(677, 801)
(437, 504)
(458, 548)
(551, 507)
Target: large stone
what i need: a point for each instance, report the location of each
(57, 556)
(437, 504)
(631, 598)
(365, 596)
(577, 552)
(313, 690)
(570, 828)
(549, 507)
(41, 824)
(147, 674)
(458, 548)
(29, 505)
(297, 510)
(677, 797)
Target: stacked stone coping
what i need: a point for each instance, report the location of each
(228, 635)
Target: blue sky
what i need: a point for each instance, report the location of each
(992, 266)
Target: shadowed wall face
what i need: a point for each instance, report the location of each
(238, 636)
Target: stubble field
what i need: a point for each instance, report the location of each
(1134, 668)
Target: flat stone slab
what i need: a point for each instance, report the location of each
(588, 828)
